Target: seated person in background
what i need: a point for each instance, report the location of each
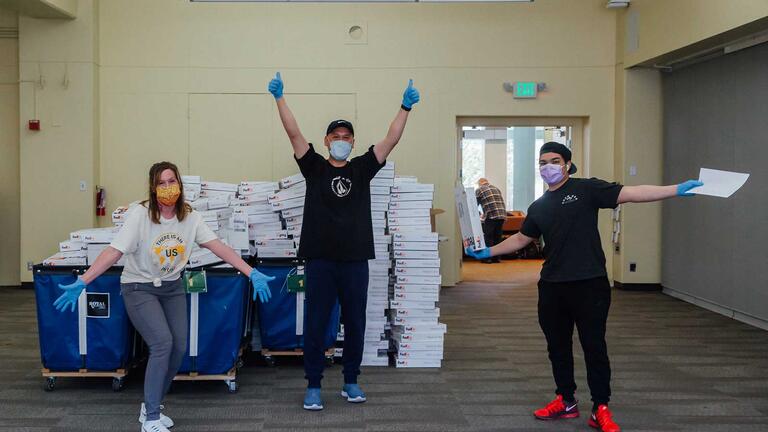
(494, 214)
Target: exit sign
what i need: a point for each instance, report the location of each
(526, 90)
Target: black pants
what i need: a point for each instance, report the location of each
(492, 229)
(328, 281)
(584, 303)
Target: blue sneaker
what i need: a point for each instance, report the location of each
(313, 400)
(353, 393)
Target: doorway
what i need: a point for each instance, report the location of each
(505, 152)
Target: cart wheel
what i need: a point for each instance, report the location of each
(117, 384)
(269, 360)
(239, 363)
(232, 386)
(49, 384)
(329, 361)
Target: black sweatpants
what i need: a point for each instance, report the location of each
(328, 281)
(492, 230)
(584, 303)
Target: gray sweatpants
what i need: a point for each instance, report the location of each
(159, 314)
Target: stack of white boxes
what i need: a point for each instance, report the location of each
(375, 350)
(288, 204)
(416, 334)
(214, 201)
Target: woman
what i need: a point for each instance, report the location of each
(156, 240)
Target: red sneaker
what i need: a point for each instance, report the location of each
(558, 409)
(602, 421)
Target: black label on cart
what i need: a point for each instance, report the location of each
(98, 305)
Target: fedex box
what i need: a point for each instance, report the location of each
(469, 218)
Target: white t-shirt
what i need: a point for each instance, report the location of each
(158, 251)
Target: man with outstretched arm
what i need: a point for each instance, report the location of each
(574, 286)
(337, 236)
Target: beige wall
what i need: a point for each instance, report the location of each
(668, 25)
(9, 153)
(458, 55)
(54, 160)
(638, 108)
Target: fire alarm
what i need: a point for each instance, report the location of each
(34, 125)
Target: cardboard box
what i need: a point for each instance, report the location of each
(253, 209)
(469, 218)
(420, 356)
(379, 207)
(414, 246)
(202, 257)
(219, 186)
(413, 196)
(59, 260)
(288, 213)
(408, 213)
(418, 280)
(408, 255)
(403, 179)
(415, 237)
(288, 204)
(70, 246)
(419, 346)
(251, 199)
(414, 321)
(97, 235)
(287, 194)
(260, 188)
(381, 181)
(190, 179)
(393, 221)
(219, 201)
(380, 199)
(273, 235)
(405, 297)
(437, 328)
(410, 205)
(291, 221)
(417, 271)
(275, 244)
(416, 313)
(216, 215)
(380, 190)
(418, 337)
(200, 204)
(412, 288)
(410, 228)
(413, 306)
(413, 188)
(264, 218)
(293, 180)
(262, 252)
(408, 263)
(387, 239)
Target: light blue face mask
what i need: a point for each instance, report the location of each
(340, 150)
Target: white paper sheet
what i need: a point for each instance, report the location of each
(719, 183)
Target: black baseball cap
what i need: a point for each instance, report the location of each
(339, 123)
(565, 152)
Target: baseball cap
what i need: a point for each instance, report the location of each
(565, 152)
(339, 123)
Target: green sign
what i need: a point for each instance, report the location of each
(195, 282)
(526, 89)
(296, 283)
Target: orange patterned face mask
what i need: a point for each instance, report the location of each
(168, 195)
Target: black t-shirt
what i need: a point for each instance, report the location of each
(337, 210)
(567, 218)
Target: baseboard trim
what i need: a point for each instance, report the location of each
(722, 310)
(637, 286)
(27, 285)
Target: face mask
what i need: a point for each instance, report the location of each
(168, 195)
(340, 150)
(552, 173)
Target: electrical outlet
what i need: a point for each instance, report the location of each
(30, 264)
(632, 267)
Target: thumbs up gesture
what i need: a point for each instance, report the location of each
(276, 86)
(410, 96)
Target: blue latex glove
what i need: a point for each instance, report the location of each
(479, 254)
(260, 286)
(70, 296)
(276, 86)
(683, 188)
(410, 96)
